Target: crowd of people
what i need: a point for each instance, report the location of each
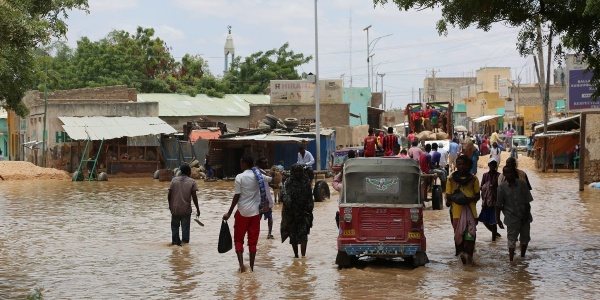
(507, 192)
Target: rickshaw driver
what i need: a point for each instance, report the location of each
(305, 158)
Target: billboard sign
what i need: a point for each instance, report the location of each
(302, 91)
(581, 90)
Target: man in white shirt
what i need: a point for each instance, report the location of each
(305, 158)
(247, 217)
(444, 157)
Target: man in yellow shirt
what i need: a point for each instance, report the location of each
(496, 139)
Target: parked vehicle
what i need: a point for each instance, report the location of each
(436, 116)
(381, 212)
(341, 155)
(521, 141)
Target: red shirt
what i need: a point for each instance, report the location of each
(370, 143)
(424, 162)
(389, 141)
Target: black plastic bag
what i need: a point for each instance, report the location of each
(225, 242)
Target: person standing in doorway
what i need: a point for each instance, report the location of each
(513, 201)
(182, 192)
(297, 211)
(247, 198)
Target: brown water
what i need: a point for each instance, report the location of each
(109, 240)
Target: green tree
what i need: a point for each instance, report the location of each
(25, 26)
(252, 76)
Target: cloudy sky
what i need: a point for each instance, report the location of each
(406, 57)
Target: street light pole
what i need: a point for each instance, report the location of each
(317, 109)
(372, 72)
(368, 56)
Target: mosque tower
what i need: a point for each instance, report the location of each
(229, 49)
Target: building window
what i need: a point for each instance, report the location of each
(496, 81)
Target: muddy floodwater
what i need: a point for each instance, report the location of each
(111, 240)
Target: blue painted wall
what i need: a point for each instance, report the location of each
(358, 98)
(289, 152)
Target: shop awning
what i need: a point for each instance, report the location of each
(563, 124)
(269, 138)
(107, 128)
(486, 118)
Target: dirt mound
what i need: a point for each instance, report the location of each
(22, 170)
(524, 162)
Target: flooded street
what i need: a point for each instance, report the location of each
(108, 240)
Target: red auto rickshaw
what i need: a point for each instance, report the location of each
(381, 212)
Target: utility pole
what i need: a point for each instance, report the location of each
(434, 92)
(45, 113)
(368, 54)
(381, 75)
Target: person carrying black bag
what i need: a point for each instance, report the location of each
(248, 200)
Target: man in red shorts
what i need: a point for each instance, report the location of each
(247, 217)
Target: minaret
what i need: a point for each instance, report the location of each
(229, 49)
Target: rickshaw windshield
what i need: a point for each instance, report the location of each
(338, 160)
(381, 181)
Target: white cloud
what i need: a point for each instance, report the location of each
(167, 32)
(101, 6)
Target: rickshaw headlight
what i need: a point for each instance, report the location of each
(414, 214)
(347, 217)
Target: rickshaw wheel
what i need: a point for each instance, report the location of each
(436, 197)
(344, 260)
(419, 259)
(321, 191)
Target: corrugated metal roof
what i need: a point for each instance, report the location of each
(556, 133)
(98, 128)
(485, 118)
(574, 118)
(269, 138)
(176, 105)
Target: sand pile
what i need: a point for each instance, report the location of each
(524, 162)
(22, 170)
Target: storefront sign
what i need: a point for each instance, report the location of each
(581, 90)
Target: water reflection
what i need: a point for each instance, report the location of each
(106, 240)
(184, 276)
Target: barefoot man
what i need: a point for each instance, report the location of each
(247, 198)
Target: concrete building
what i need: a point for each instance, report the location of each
(80, 112)
(445, 89)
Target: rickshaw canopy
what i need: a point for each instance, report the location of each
(381, 181)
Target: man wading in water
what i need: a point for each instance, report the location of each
(181, 191)
(514, 200)
(247, 198)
